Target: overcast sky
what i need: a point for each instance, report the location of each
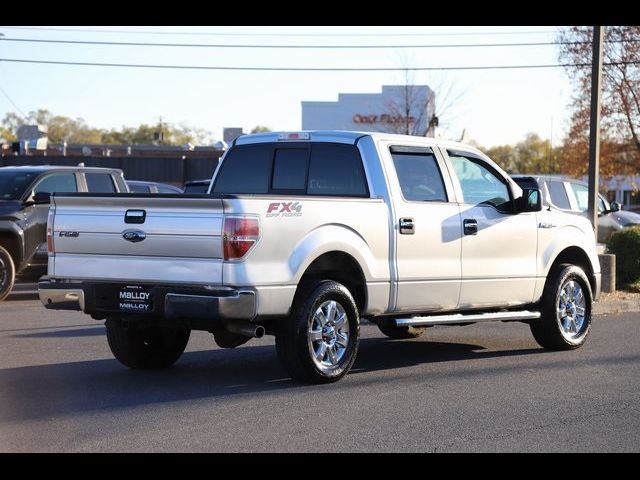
(495, 106)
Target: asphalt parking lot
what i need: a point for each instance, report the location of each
(483, 387)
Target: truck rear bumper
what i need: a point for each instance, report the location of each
(169, 302)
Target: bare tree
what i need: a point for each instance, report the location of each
(417, 110)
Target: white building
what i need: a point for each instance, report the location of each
(408, 109)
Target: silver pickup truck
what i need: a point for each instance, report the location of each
(304, 234)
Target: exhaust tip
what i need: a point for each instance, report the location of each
(260, 331)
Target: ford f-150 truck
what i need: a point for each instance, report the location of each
(302, 235)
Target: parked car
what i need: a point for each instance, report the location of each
(572, 196)
(137, 186)
(24, 205)
(197, 186)
(305, 233)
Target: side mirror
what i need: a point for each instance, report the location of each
(41, 198)
(531, 200)
(615, 207)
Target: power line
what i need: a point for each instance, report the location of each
(302, 69)
(272, 34)
(285, 46)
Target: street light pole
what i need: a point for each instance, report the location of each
(594, 126)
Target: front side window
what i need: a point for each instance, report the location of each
(13, 184)
(480, 186)
(419, 177)
(558, 194)
(137, 188)
(59, 182)
(100, 183)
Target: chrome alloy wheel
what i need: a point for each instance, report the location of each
(3, 273)
(328, 334)
(571, 310)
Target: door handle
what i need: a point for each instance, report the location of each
(407, 226)
(470, 226)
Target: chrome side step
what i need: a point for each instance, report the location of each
(461, 318)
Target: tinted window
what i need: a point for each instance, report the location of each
(559, 195)
(246, 169)
(196, 188)
(336, 170)
(63, 182)
(479, 184)
(419, 177)
(290, 169)
(582, 196)
(135, 188)
(100, 183)
(163, 189)
(13, 184)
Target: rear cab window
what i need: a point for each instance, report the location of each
(318, 169)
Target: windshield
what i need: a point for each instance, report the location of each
(13, 184)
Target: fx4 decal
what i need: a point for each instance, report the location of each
(284, 209)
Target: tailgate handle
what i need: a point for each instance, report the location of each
(135, 216)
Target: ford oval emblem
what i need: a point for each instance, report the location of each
(134, 236)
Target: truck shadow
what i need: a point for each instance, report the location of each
(70, 388)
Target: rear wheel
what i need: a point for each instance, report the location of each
(318, 342)
(566, 310)
(145, 348)
(7, 273)
(389, 328)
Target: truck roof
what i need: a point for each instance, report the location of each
(46, 168)
(343, 136)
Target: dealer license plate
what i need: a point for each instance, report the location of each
(135, 298)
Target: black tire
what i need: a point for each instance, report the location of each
(7, 273)
(399, 333)
(548, 330)
(293, 342)
(150, 348)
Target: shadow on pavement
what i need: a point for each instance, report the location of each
(70, 388)
(66, 333)
(21, 296)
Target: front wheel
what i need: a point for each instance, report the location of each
(318, 342)
(566, 310)
(149, 348)
(7, 273)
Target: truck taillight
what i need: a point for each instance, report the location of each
(240, 234)
(50, 233)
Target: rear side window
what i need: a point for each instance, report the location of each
(65, 182)
(100, 183)
(247, 169)
(312, 169)
(419, 177)
(558, 195)
(336, 170)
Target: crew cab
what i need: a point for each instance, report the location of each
(304, 234)
(24, 205)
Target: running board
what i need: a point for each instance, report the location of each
(460, 318)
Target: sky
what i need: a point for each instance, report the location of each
(495, 106)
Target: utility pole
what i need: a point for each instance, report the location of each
(594, 126)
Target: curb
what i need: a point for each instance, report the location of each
(616, 306)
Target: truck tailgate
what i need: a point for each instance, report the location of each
(178, 239)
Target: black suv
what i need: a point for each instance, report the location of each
(24, 205)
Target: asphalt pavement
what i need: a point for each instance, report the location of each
(484, 387)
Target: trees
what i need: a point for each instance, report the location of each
(260, 129)
(620, 123)
(61, 129)
(531, 155)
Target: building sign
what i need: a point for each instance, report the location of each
(384, 118)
